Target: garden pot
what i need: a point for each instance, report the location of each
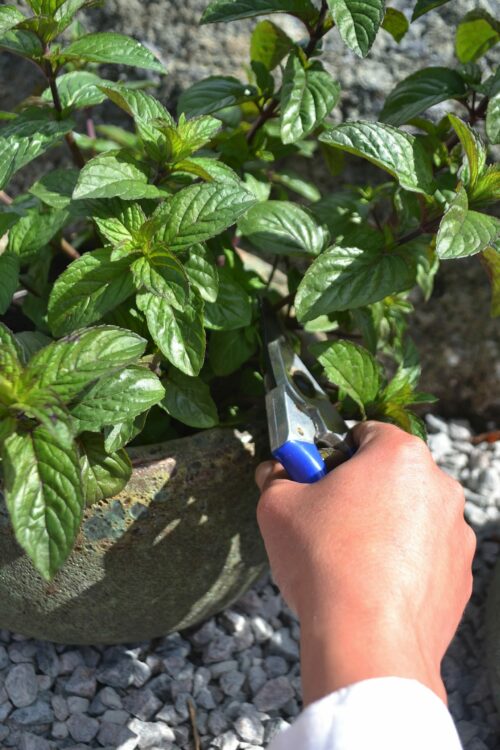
(179, 544)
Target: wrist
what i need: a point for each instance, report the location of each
(339, 649)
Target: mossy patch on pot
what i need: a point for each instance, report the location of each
(177, 545)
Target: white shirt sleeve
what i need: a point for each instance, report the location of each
(384, 713)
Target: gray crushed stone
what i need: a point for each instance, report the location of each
(239, 670)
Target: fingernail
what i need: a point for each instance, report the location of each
(263, 472)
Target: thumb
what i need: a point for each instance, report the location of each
(268, 472)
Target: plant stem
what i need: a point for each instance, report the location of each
(269, 110)
(78, 158)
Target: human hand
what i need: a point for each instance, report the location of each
(375, 559)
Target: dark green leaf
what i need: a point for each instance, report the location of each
(424, 6)
(25, 138)
(395, 23)
(87, 289)
(232, 309)
(110, 47)
(463, 232)
(35, 230)
(9, 277)
(121, 224)
(228, 350)
(476, 34)
(202, 272)
(232, 10)
(487, 188)
(179, 334)
(420, 91)
(188, 399)
(343, 278)
(114, 174)
(308, 95)
(396, 151)
(103, 474)
(493, 120)
(213, 94)
(269, 44)
(30, 342)
(283, 228)
(10, 356)
(122, 433)
(77, 90)
(352, 368)
(73, 362)
(24, 43)
(358, 22)
(294, 181)
(43, 494)
(161, 274)
(56, 187)
(10, 16)
(199, 212)
(118, 397)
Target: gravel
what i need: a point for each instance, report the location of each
(239, 670)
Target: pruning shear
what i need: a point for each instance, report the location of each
(307, 434)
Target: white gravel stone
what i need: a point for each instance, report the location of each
(152, 735)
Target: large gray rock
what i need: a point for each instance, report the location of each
(179, 544)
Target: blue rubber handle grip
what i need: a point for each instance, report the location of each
(302, 461)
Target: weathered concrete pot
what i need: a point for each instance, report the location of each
(177, 545)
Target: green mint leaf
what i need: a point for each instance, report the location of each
(233, 10)
(120, 223)
(308, 95)
(202, 272)
(487, 188)
(23, 43)
(9, 275)
(70, 364)
(213, 94)
(395, 23)
(420, 91)
(56, 187)
(476, 34)
(43, 494)
(122, 433)
(232, 309)
(77, 90)
(10, 356)
(103, 474)
(424, 6)
(343, 278)
(394, 150)
(10, 16)
(228, 350)
(87, 290)
(352, 368)
(161, 274)
(341, 212)
(269, 44)
(179, 334)
(199, 212)
(110, 47)
(463, 232)
(208, 169)
(26, 137)
(30, 342)
(283, 228)
(188, 399)
(473, 147)
(358, 22)
(294, 181)
(117, 397)
(493, 120)
(407, 420)
(114, 174)
(47, 409)
(188, 136)
(35, 230)
(491, 259)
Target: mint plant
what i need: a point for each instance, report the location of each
(130, 309)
